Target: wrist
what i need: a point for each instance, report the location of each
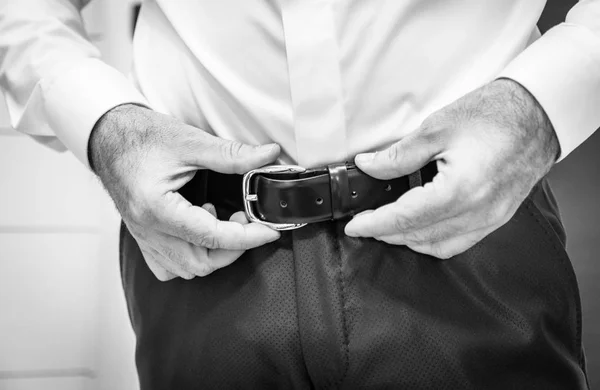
(107, 134)
(532, 119)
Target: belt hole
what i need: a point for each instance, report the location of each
(319, 201)
(283, 204)
(388, 187)
(354, 194)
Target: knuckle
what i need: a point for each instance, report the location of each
(498, 215)
(403, 225)
(148, 257)
(161, 276)
(137, 212)
(432, 135)
(440, 232)
(506, 218)
(393, 152)
(187, 275)
(415, 237)
(445, 255)
(423, 249)
(431, 129)
(206, 240)
(232, 150)
(140, 235)
(434, 250)
(460, 192)
(235, 148)
(431, 122)
(493, 216)
(205, 269)
(244, 241)
(175, 256)
(141, 211)
(481, 192)
(399, 224)
(438, 251)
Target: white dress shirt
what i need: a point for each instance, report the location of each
(325, 79)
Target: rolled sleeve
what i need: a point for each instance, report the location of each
(562, 71)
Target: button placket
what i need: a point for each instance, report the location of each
(315, 81)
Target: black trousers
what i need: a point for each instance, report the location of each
(318, 309)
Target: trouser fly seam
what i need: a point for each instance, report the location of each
(295, 270)
(342, 286)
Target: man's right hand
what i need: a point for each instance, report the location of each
(143, 158)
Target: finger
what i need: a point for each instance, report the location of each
(465, 222)
(416, 209)
(442, 230)
(188, 259)
(170, 258)
(220, 258)
(160, 272)
(227, 156)
(364, 212)
(449, 248)
(441, 235)
(239, 217)
(193, 224)
(181, 257)
(210, 208)
(405, 156)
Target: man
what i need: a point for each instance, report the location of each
(436, 262)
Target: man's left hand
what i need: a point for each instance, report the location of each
(491, 146)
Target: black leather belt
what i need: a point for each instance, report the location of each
(287, 197)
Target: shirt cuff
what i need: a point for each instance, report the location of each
(562, 71)
(75, 100)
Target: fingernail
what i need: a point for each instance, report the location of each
(365, 212)
(364, 157)
(271, 235)
(349, 231)
(269, 147)
(210, 208)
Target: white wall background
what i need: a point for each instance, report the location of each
(63, 321)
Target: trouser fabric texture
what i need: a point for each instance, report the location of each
(320, 310)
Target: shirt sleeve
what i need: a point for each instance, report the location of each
(562, 71)
(51, 75)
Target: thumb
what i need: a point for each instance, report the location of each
(227, 156)
(402, 158)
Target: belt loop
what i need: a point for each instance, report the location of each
(414, 179)
(340, 190)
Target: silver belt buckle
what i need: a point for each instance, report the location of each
(249, 198)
